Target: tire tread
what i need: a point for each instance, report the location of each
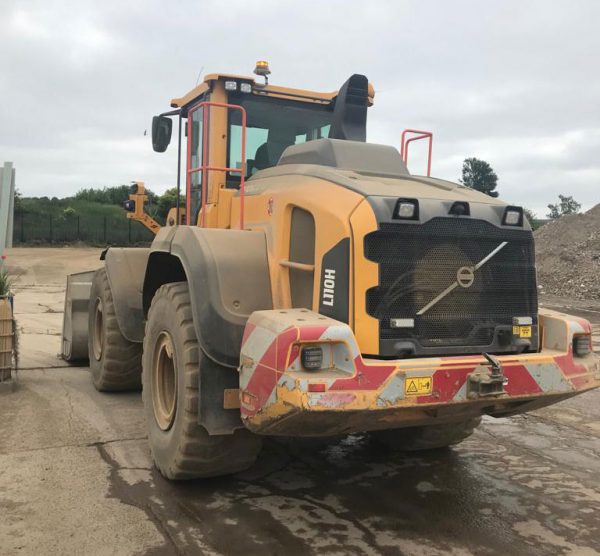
(198, 454)
(120, 368)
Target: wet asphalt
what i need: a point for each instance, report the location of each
(526, 485)
(522, 485)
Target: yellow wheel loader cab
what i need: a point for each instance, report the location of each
(318, 288)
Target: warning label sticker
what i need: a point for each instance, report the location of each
(418, 386)
(525, 332)
(522, 331)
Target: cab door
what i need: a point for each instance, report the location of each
(206, 152)
(195, 152)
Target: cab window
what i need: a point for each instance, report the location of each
(272, 125)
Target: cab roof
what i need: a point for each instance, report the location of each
(277, 91)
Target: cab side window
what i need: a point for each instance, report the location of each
(195, 175)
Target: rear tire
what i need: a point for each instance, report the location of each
(428, 437)
(180, 446)
(115, 362)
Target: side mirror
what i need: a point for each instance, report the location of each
(162, 127)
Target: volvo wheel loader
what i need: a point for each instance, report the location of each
(310, 285)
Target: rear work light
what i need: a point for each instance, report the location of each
(311, 357)
(513, 216)
(582, 345)
(406, 209)
(230, 86)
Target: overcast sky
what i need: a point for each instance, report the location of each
(513, 82)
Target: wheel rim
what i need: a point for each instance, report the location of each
(98, 335)
(164, 382)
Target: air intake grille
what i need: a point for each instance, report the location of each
(419, 262)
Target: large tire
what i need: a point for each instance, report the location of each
(115, 362)
(428, 437)
(180, 446)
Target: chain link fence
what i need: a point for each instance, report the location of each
(30, 228)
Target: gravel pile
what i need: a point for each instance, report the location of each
(568, 256)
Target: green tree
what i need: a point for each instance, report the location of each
(110, 195)
(479, 175)
(566, 205)
(167, 201)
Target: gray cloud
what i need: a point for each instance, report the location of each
(513, 82)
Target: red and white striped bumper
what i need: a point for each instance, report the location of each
(354, 394)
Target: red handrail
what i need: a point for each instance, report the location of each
(420, 135)
(204, 168)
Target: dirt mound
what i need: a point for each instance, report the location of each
(568, 256)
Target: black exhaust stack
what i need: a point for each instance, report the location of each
(350, 110)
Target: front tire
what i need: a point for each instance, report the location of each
(172, 358)
(115, 362)
(429, 437)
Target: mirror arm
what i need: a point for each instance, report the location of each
(172, 113)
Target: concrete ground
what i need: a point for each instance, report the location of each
(76, 475)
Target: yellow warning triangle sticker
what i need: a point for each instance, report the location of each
(412, 387)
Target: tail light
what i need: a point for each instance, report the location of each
(311, 357)
(322, 357)
(582, 345)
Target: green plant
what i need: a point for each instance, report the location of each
(5, 282)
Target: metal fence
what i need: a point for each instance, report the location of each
(97, 230)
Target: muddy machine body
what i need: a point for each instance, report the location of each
(309, 285)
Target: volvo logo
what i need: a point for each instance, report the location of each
(465, 276)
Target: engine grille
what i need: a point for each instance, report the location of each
(418, 262)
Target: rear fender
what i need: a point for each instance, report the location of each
(228, 276)
(126, 269)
